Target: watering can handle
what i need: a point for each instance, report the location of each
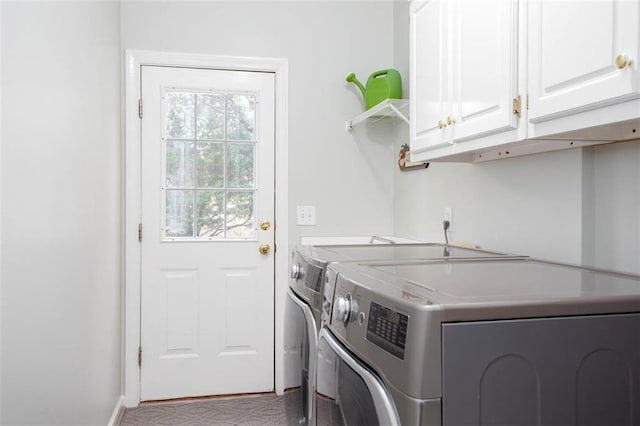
(379, 73)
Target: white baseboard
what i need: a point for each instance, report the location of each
(118, 412)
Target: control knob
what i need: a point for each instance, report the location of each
(296, 271)
(345, 309)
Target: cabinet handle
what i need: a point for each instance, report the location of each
(441, 124)
(623, 61)
(450, 121)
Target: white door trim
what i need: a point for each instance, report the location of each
(1, 145)
(134, 59)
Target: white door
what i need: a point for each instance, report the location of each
(484, 46)
(430, 104)
(207, 292)
(573, 49)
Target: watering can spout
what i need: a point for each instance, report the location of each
(351, 78)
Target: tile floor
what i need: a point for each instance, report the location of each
(263, 410)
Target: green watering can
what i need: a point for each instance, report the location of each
(381, 85)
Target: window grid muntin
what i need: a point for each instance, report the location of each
(196, 188)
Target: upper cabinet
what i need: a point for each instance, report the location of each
(582, 56)
(464, 75)
(484, 67)
(497, 78)
(429, 75)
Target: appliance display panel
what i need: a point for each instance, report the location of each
(387, 329)
(313, 278)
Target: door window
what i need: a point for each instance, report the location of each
(209, 154)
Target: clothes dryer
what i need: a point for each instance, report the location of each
(477, 342)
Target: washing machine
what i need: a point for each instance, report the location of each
(468, 342)
(309, 375)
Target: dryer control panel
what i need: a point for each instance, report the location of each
(387, 329)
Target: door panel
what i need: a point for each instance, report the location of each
(572, 61)
(429, 95)
(207, 293)
(362, 398)
(484, 67)
(545, 371)
(182, 288)
(239, 303)
(302, 346)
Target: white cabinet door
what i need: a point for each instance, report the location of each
(573, 47)
(464, 75)
(429, 97)
(484, 47)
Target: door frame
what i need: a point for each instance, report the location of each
(134, 59)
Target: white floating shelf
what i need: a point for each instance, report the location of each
(387, 108)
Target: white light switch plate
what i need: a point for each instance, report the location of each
(306, 215)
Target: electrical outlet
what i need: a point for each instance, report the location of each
(448, 215)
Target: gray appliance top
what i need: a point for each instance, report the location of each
(391, 252)
(310, 262)
(518, 288)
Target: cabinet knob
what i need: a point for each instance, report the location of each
(441, 124)
(450, 121)
(623, 61)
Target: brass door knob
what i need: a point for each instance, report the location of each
(623, 61)
(450, 121)
(441, 124)
(264, 248)
(265, 225)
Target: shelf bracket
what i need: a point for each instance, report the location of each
(398, 113)
(386, 108)
(348, 125)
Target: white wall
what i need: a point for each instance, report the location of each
(527, 205)
(348, 176)
(401, 42)
(61, 208)
(617, 206)
(1, 144)
(577, 206)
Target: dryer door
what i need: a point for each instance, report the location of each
(301, 343)
(362, 399)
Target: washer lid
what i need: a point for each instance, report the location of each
(513, 280)
(393, 252)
